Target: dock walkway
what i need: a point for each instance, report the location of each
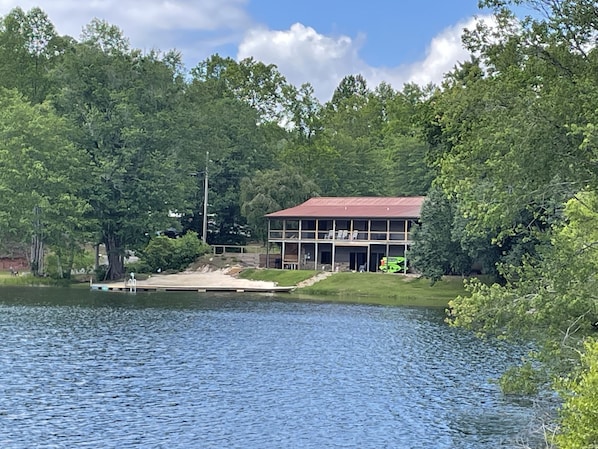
(193, 281)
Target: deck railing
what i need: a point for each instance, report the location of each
(339, 235)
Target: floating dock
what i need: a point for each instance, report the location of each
(198, 289)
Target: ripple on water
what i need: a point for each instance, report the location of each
(178, 371)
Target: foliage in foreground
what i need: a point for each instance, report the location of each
(517, 154)
(579, 413)
(550, 299)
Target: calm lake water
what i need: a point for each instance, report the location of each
(82, 369)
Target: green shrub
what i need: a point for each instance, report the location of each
(57, 266)
(30, 280)
(157, 253)
(52, 266)
(101, 273)
(579, 414)
(84, 260)
(141, 266)
(186, 249)
(163, 253)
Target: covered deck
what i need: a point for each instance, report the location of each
(338, 234)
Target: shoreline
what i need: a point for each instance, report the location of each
(214, 280)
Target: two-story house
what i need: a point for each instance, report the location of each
(342, 233)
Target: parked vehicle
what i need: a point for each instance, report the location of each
(392, 264)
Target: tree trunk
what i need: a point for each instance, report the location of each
(37, 245)
(116, 261)
(37, 256)
(69, 257)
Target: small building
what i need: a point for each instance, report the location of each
(342, 233)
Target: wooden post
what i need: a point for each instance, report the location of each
(268, 246)
(205, 202)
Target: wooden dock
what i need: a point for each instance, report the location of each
(179, 288)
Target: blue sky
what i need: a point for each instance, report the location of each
(394, 32)
(320, 42)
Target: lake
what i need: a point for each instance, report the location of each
(82, 369)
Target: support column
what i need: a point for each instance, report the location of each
(333, 245)
(283, 246)
(268, 246)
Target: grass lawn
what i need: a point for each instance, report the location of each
(387, 289)
(284, 278)
(367, 288)
(23, 280)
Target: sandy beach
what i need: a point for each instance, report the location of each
(205, 279)
(219, 278)
(201, 279)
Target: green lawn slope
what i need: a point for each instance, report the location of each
(370, 288)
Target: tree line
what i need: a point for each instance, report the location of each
(107, 144)
(104, 143)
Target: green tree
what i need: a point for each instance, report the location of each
(29, 48)
(349, 148)
(233, 110)
(121, 103)
(305, 111)
(351, 91)
(230, 130)
(436, 251)
(550, 299)
(515, 147)
(260, 86)
(271, 190)
(406, 160)
(409, 175)
(41, 172)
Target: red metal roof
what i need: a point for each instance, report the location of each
(354, 207)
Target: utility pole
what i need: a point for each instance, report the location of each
(205, 202)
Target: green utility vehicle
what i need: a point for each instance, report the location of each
(392, 264)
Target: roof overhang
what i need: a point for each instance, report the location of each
(354, 207)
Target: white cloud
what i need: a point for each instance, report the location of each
(443, 53)
(133, 15)
(303, 55)
(200, 28)
(149, 24)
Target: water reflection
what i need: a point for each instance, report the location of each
(178, 370)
